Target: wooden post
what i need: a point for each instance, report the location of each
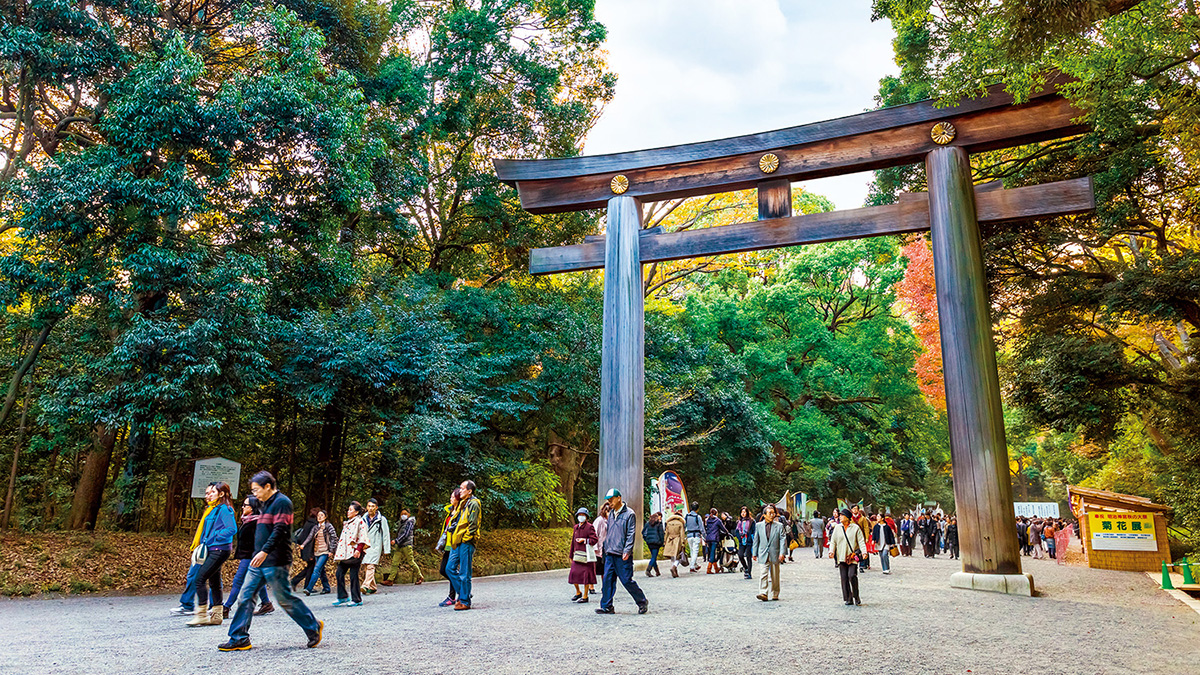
(982, 491)
(775, 199)
(622, 389)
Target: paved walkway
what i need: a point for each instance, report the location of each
(1086, 621)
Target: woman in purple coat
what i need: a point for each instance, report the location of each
(582, 574)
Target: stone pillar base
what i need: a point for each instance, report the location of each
(1010, 584)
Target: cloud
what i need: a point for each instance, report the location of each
(695, 70)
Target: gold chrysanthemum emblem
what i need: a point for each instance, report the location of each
(619, 184)
(768, 163)
(942, 133)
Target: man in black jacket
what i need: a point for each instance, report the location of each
(306, 552)
(269, 566)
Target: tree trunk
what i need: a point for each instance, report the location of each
(327, 465)
(131, 486)
(566, 462)
(14, 385)
(10, 496)
(89, 493)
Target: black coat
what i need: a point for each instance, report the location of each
(306, 553)
(882, 535)
(952, 534)
(654, 534)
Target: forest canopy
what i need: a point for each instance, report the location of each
(271, 232)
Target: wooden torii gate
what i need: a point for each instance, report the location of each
(770, 162)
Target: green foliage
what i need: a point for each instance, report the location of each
(530, 495)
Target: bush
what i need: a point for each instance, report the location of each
(18, 590)
(81, 586)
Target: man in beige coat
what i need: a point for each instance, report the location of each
(768, 551)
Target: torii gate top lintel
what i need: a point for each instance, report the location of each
(877, 139)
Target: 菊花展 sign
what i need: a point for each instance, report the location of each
(1122, 531)
(216, 470)
(1036, 509)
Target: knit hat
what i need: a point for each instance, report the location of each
(848, 513)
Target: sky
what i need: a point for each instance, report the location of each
(697, 70)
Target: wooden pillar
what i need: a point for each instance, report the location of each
(774, 199)
(622, 391)
(982, 491)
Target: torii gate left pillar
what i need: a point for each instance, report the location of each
(622, 359)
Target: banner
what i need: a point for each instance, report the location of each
(670, 495)
(1123, 531)
(1036, 509)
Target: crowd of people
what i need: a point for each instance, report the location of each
(263, 547)
(601, 550)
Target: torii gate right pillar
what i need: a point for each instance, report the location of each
(982, 491)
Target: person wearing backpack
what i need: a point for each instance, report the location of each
(693, 525)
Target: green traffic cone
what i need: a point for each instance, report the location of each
(1187, 573)
(1166, 583)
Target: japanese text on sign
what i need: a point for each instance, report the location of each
(1122, 531)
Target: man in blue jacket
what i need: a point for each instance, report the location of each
(618, 555)
(270, 566)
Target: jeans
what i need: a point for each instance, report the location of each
(849, 574)
(350, 565)
(1050, 543)
(281, 588)
(617, 567)
(694, 542)
(188, 599)
(318, 571)
(883, 557)
(865, 563)
(459, 567)
(653, 565)
(714, 551)
(445, 559)
(746, 557)
(817, 548)
(210, 575)
(238, 577)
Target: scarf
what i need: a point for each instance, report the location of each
(200, 525)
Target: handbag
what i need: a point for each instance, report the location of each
(894, 551)
(585, 555)
(199, 554)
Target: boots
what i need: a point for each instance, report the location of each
(201, 618)
(657, 572)
(216, 615)
(709, 569)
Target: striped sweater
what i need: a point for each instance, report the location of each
(274, 533)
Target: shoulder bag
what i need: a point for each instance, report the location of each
(854, 556)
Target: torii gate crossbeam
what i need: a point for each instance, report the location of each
(952, 211)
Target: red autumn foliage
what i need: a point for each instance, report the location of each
(917, 292)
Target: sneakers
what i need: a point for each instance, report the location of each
(448, 602)
(354, 604)
(601, 610)
(644, 607)
(265, 608)
(235, 645)
(342, 601)
(314, 640)
(183, 611)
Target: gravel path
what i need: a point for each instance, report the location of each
(1086, 621)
